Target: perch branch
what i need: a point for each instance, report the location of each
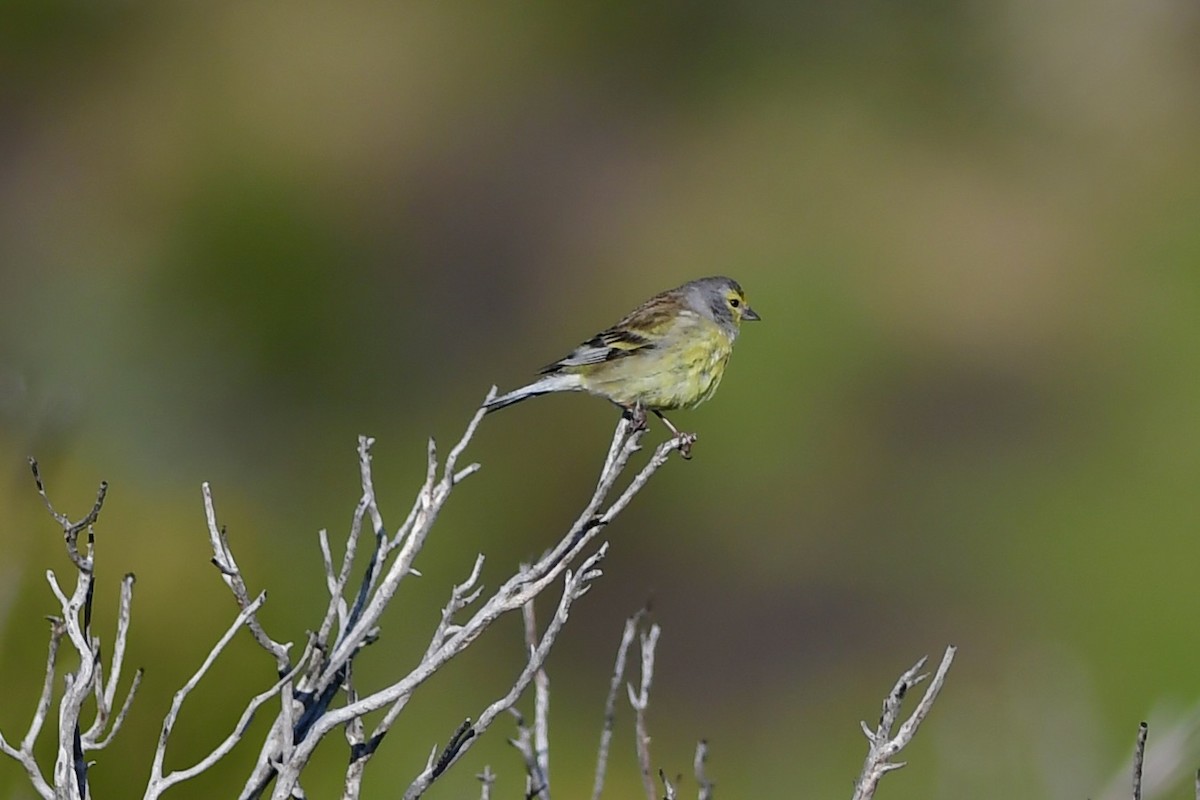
(510, 596)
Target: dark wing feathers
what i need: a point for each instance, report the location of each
(638, 331)
(605, 346)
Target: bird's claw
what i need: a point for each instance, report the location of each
(686, 440)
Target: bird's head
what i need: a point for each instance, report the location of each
(724, 300)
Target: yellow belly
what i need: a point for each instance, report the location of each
(682, 375)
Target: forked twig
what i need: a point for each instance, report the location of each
(883, 745)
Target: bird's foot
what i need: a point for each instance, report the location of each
(636, 414)
(686, 440)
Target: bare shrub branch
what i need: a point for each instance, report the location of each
(640, 701)
(317, 692)
(541, 703)
(699, 765)
(1139, 757)
(610, 703)
(883, 745)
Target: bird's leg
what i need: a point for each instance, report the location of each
(667, 422)
(686, 440)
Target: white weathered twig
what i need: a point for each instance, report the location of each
(486, 779)
(224, 561)
(640, 701)
(362, 749)
(541, 702)
(698, 765)
(668, 786)
(575, 586)
(24, 754)
(883, 745)
(338, 610)
(106, 694)
(57, 631)
(71, 530)
(158, 782)
(523, 743)
(461, 596)
(1162, 767)
(87, 680)
(610, 702)
(356, 738)
(1139, 757)
(70, 765)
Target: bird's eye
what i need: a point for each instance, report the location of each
(734, 302)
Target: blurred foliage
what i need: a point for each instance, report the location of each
(234, 236)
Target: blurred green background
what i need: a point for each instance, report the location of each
(234, 236)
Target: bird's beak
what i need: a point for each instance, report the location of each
(750, 314)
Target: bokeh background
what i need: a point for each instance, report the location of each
(234, 236)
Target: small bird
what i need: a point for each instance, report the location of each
(668, 353)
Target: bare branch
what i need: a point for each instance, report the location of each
(575, 585)
(119, 720)
(510, 596)
(541, 702)
(70, 767)
(1139, 756)
(432, 497)
(883, 746)
(158, 783)
(225, 562)
(106, 694)
(486, 779)
(30, 765)
(640, 702)
(706, 786)
(316, 693)
(71, 530)
(356, 737)
(668, 787)
(57, 629)
(230, 741)
(610, 703)
(1164, 766)
(24, 756)
(461, 596)
(535, 784)
(463, 734)
(337, 611)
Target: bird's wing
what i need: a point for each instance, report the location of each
(604, 346)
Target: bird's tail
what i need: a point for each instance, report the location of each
(548, 383)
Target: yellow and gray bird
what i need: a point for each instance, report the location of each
(668, 353)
